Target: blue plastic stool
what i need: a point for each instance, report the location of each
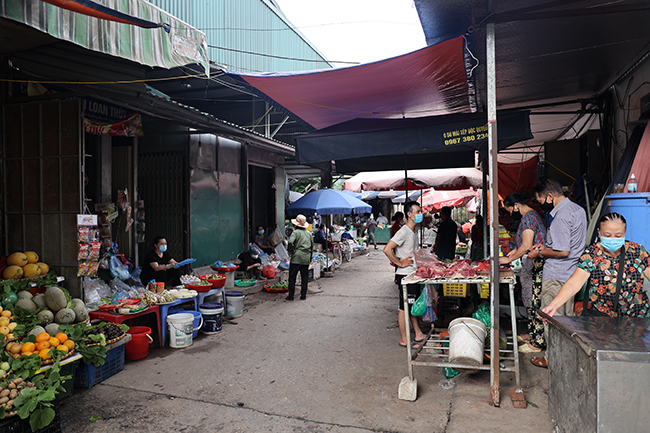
(202, 295)
(164, 312)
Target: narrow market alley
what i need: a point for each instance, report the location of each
(328, 364)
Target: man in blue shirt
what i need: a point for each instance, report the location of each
(565, 242)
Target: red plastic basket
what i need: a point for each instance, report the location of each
(216, 284)
(198, 288)
(224, 268)
(268, 288)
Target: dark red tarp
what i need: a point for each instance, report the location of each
(517, 177)
(428, 82)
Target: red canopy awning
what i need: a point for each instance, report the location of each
(431, 81)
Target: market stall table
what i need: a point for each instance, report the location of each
(121, 318)
(433, 346)
(598, 370)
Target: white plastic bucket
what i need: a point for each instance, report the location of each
(234, 304)
(466, 341)
(230, 279)
(181, 329)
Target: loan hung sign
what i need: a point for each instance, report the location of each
(103, 118)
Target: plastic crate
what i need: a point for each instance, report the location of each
(89, 375)
(16, 425)
(456, 290)
(448, 305)
(485, 290)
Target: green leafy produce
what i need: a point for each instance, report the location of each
(87, 347)
(36, 401)
(201, 283)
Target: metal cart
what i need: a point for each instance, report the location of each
(432, 352)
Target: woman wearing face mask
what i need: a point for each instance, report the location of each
(159, 265)
(600, 266)
(531, 231)
(262, 241)
(251, 263)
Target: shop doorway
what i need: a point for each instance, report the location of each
(162, 186)
(261, 198)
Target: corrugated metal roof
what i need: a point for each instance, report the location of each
(243, 34)
(183, 45)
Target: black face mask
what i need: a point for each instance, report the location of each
(547, 207)
(516, 215)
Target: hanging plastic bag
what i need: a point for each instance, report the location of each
(429, 313)
(94, 290)
(281, 252)
(483, 314)
(420, 305)
(276, 237)
(118, 269)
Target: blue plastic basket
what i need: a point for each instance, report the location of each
(89, 375)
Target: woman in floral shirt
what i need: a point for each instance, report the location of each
(599, 265)
(531, 231)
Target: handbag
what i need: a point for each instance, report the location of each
(587, 311)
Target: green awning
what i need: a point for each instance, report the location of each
(183, 45)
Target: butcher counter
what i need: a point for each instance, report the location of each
(599, 373)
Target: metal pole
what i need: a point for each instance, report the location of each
(494, 212)
(484, 207)
(406, 184)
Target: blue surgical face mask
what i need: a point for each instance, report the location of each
(419, 218)
(162, 248)
(612, 244)
(261, 232)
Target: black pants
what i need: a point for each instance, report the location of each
(304, 279)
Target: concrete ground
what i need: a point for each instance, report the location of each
(328, 364)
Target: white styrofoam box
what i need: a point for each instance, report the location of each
(316, 267)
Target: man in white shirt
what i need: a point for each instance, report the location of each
(400, 252)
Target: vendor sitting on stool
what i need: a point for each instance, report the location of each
(159, 265)
(347, 234)
(250, 263)
(263, 241)
(321, 237)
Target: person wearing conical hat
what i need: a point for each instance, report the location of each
(301, 245)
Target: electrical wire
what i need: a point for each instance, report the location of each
(147, 80)
(291, 28)
(282, 57)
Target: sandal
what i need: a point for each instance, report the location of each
(539, 361)
(520, 339)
